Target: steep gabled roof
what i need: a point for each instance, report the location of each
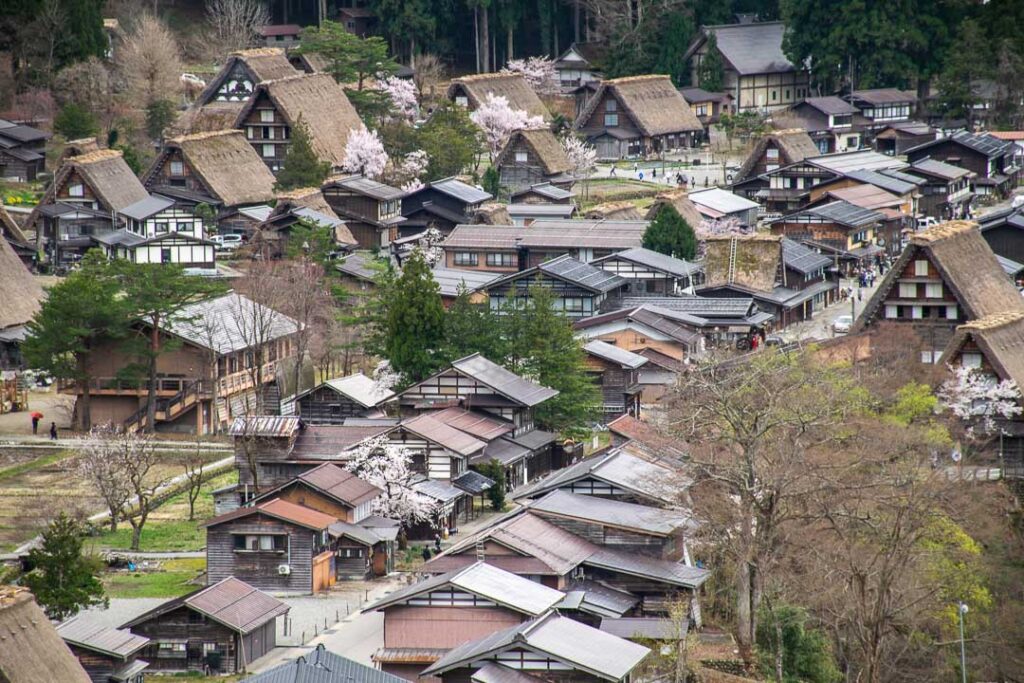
(511, 86)
(263, 64)
(755, 266)
(20, 293)
(679, 200)
(967, 266)
(651, 102)
(31, 650)
(794, 145)
(1000, 338)
(544, 145)
(333, 481)
(754, 48)
(308, 203)
(230, 602)
(280, 509)
(106, 173)
(506, 383)
(319, 102)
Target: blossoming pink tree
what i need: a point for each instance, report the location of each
(582, 158)
(498, 120)
(979, 399)
(364, 153)
(539, 72)
(403, 96)
(388, 466)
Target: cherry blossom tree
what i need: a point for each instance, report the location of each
(386, 376)
(498, 120)
(403, 95)
(430, 244)
(980, 399)
(388, 466)
(720, 227)
(102, 470)
(539, 72)
(410, 171)
(364, 153)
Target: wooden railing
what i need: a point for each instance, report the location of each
(119, 385)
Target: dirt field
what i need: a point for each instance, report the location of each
(54, 407)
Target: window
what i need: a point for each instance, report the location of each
(461, 101)
(611, 120)
(971, 360)
(350, 552)
(260, 543)
(165, 256)
(172, 647)
(930, 356)
(465, 258)
(76, 190)
(177, 168)
(521, 157)
(908, 290)
(933, 291)
(951, 313)
(892, 312)
(917, 312)
(572, 304)
(702, 110)
(184, 227)
(208, 648)
(611, 105)
(921, 268)
(266, 115)
(775, 95)
(161, 226)
(268, 150)
(772, 153)
(787, 94)
(501, 259)
(852, 141)
(268, 133)
(842, 120)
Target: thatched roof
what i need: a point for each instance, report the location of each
(301, 201)
(492, 213)
(652, 102)
(967, 267)
(31, 650)
(680, 199)
(320, 103)
(794, 145)
(311, 62)
(9, 228)
(511, 86)
(207, 118)
(20, 293)
(74, 148)
(226, 164)
(758, 258)
(1000, 338)
(625, 211)
(545, 146)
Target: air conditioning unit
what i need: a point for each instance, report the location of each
(284, 570)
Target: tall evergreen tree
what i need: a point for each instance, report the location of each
(413, 320)
(302, 167)
(670, 234)
(74, 121)
(472, 328)
(676, 34)
(450, 139)
(62, 579)
(711, 71)
(964, 65)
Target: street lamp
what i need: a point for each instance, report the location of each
(961, 611)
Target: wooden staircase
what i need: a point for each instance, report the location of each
(167, 409)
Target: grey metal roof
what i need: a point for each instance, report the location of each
(370, 188)
(642, 518)
(646, 627)
(144, 208)
(579, 273)
(357, 387)
(552, 210)
(633, 564)
(472, 482)
(586, 648)
(891, 181)
(449, 280)
(122, 237)
(483, 237)
(236, 604)
(654, 260)
(320, 218)
(884, 96)
(438, 490)
(282, 426)
(492, 672)
(938, 169)
(1010, 266)
(545, 190)
(845, 162)
(830, 104)
(503, 450)
(597, 598)
(845, 213)
(754, 48)
(701, 306)
(575, 233)
(94, 636)
(323, 666)
(506, 383)
(230, 323)
(617, 467)
(614, 354)
(363, 266)
(461, 191)
(355, 532)
(721, 200)
(984, 143)
(258, 213)
(802, 259)
(534, 439)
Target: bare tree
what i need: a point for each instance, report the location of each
(137, 458)
(192, 461)
(430, 72)
(150, 61)
(257, 320)
(235, 24)
(50, 25)
(100, 465)
(303, 298)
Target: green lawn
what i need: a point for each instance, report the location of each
(170, 581)
(168, 528)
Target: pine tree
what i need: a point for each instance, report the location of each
(413, 321)
(62, 579)
(491, 181)
(75, 121)
(302, 167)
(670, 234)
(472, 328)
(711, 72)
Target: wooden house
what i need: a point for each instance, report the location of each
(946, 193)
(31, 650)
(472, 91)
(335, 400)
(829, 121)
(650, 272)
(617, 372)
(638, 116)
(217, 168)
(372, 210)
(846, 233)
(990, 346)
(993, 161)
(277, 106)
(82, 201)
(447, 610)
(440, 204)
(896, 138)
(579, 288)
(708, 107)
(305, 205)
(580, 64)
(323, 666)
(15, 237)
(1003, 230)
(784, 277)
(532, 157)
(211, 376)
(359, 21)
(771, 152)
(946, 276)
(22, 152)
(493, 249)
(177, 248)
(108, 655)
(756, 70)
(20, 299)
(280, 35)
(547, 643)
(217, 106)
(221, 628)
(451, 282)
(541, 193)
(882, 106)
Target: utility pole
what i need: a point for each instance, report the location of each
(961, 611)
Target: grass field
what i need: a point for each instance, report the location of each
(601, 190)
(169, 581)
(168, 528)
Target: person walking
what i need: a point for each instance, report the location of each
(35, 422)
(53, 431)
(611, 174)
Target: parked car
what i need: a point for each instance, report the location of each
(842, 324)
(227, 242)
(925, 223)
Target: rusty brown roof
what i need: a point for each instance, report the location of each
(481, 426)
(340, 483)
(440, 433)
(236, 604)
(278, 509)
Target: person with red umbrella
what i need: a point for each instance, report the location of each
(36, 417)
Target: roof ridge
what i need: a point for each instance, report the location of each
(943, 231)
(993, 321)
(204, 135)
(96, 156)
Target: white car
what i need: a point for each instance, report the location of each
(842, 324)
(227, 242)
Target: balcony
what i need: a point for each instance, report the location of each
(169, 386)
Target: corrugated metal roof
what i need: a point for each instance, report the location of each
(93, 636)
(506, 383)
(1011, 267)
(647, 567)
(265, 426)
(408, 655)
(144, 208)
(323, 666)
(578, 273)
(484, 427)
(434, 430)
(613, 513)
(451, 280)
(721, 200)
(230, 323)
(236, 604)
(614, 354)
(867, 196)
(646, 627)
(938, 169)
(461, 191)
(801, 259)
(654, 260)
(340, 483)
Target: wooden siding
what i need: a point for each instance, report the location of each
(301, 494)
(644, 544)
(437, 627)
(270, 134)
(260, 568)
(185, 624)
(188, 179)
(326, 406)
